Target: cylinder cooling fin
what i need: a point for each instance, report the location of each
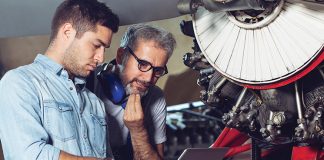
(263, 49)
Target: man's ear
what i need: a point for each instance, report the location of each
(67, 31)
(120, 55)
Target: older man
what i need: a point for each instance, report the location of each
(137, 130)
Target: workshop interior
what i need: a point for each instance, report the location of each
(246, 80)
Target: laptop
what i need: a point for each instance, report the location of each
(204, 153)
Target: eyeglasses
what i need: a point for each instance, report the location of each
(145, 66)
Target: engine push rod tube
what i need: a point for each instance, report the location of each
(320, 69)
(240, 100)
(298, 101)
(220, 84)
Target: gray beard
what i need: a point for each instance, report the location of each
(129, 90)
(127, 85)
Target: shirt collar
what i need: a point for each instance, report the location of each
(58, 69)
(80, 83)
(49, 63)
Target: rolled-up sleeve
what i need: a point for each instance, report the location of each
(21, 131)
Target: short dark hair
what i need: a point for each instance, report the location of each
(84, 15)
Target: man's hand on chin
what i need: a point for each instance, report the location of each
(133, 114)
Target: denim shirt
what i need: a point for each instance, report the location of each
(42, 111)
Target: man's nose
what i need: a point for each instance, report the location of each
(149, 76)
(100, 55)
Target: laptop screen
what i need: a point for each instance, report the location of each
(204, 153)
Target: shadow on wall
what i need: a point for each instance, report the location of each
(1, 155)
(1, 71)
(1, 74)
(182, 88)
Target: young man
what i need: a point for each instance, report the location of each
(140, 126)
(46, 112)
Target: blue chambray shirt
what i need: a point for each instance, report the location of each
(42, 112)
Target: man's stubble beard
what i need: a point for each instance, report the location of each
(127, 84)
(70, 62)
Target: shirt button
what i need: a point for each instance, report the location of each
(85, 136)
(71, 88)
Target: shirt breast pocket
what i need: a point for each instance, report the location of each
(59, 120)
(99, 134)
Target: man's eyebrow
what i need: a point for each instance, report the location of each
(104, 44)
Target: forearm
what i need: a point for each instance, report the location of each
(142, 147)
(67, 156)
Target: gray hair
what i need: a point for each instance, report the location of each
(161, 37)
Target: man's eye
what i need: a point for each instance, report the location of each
(144, 63)
(97, 46)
